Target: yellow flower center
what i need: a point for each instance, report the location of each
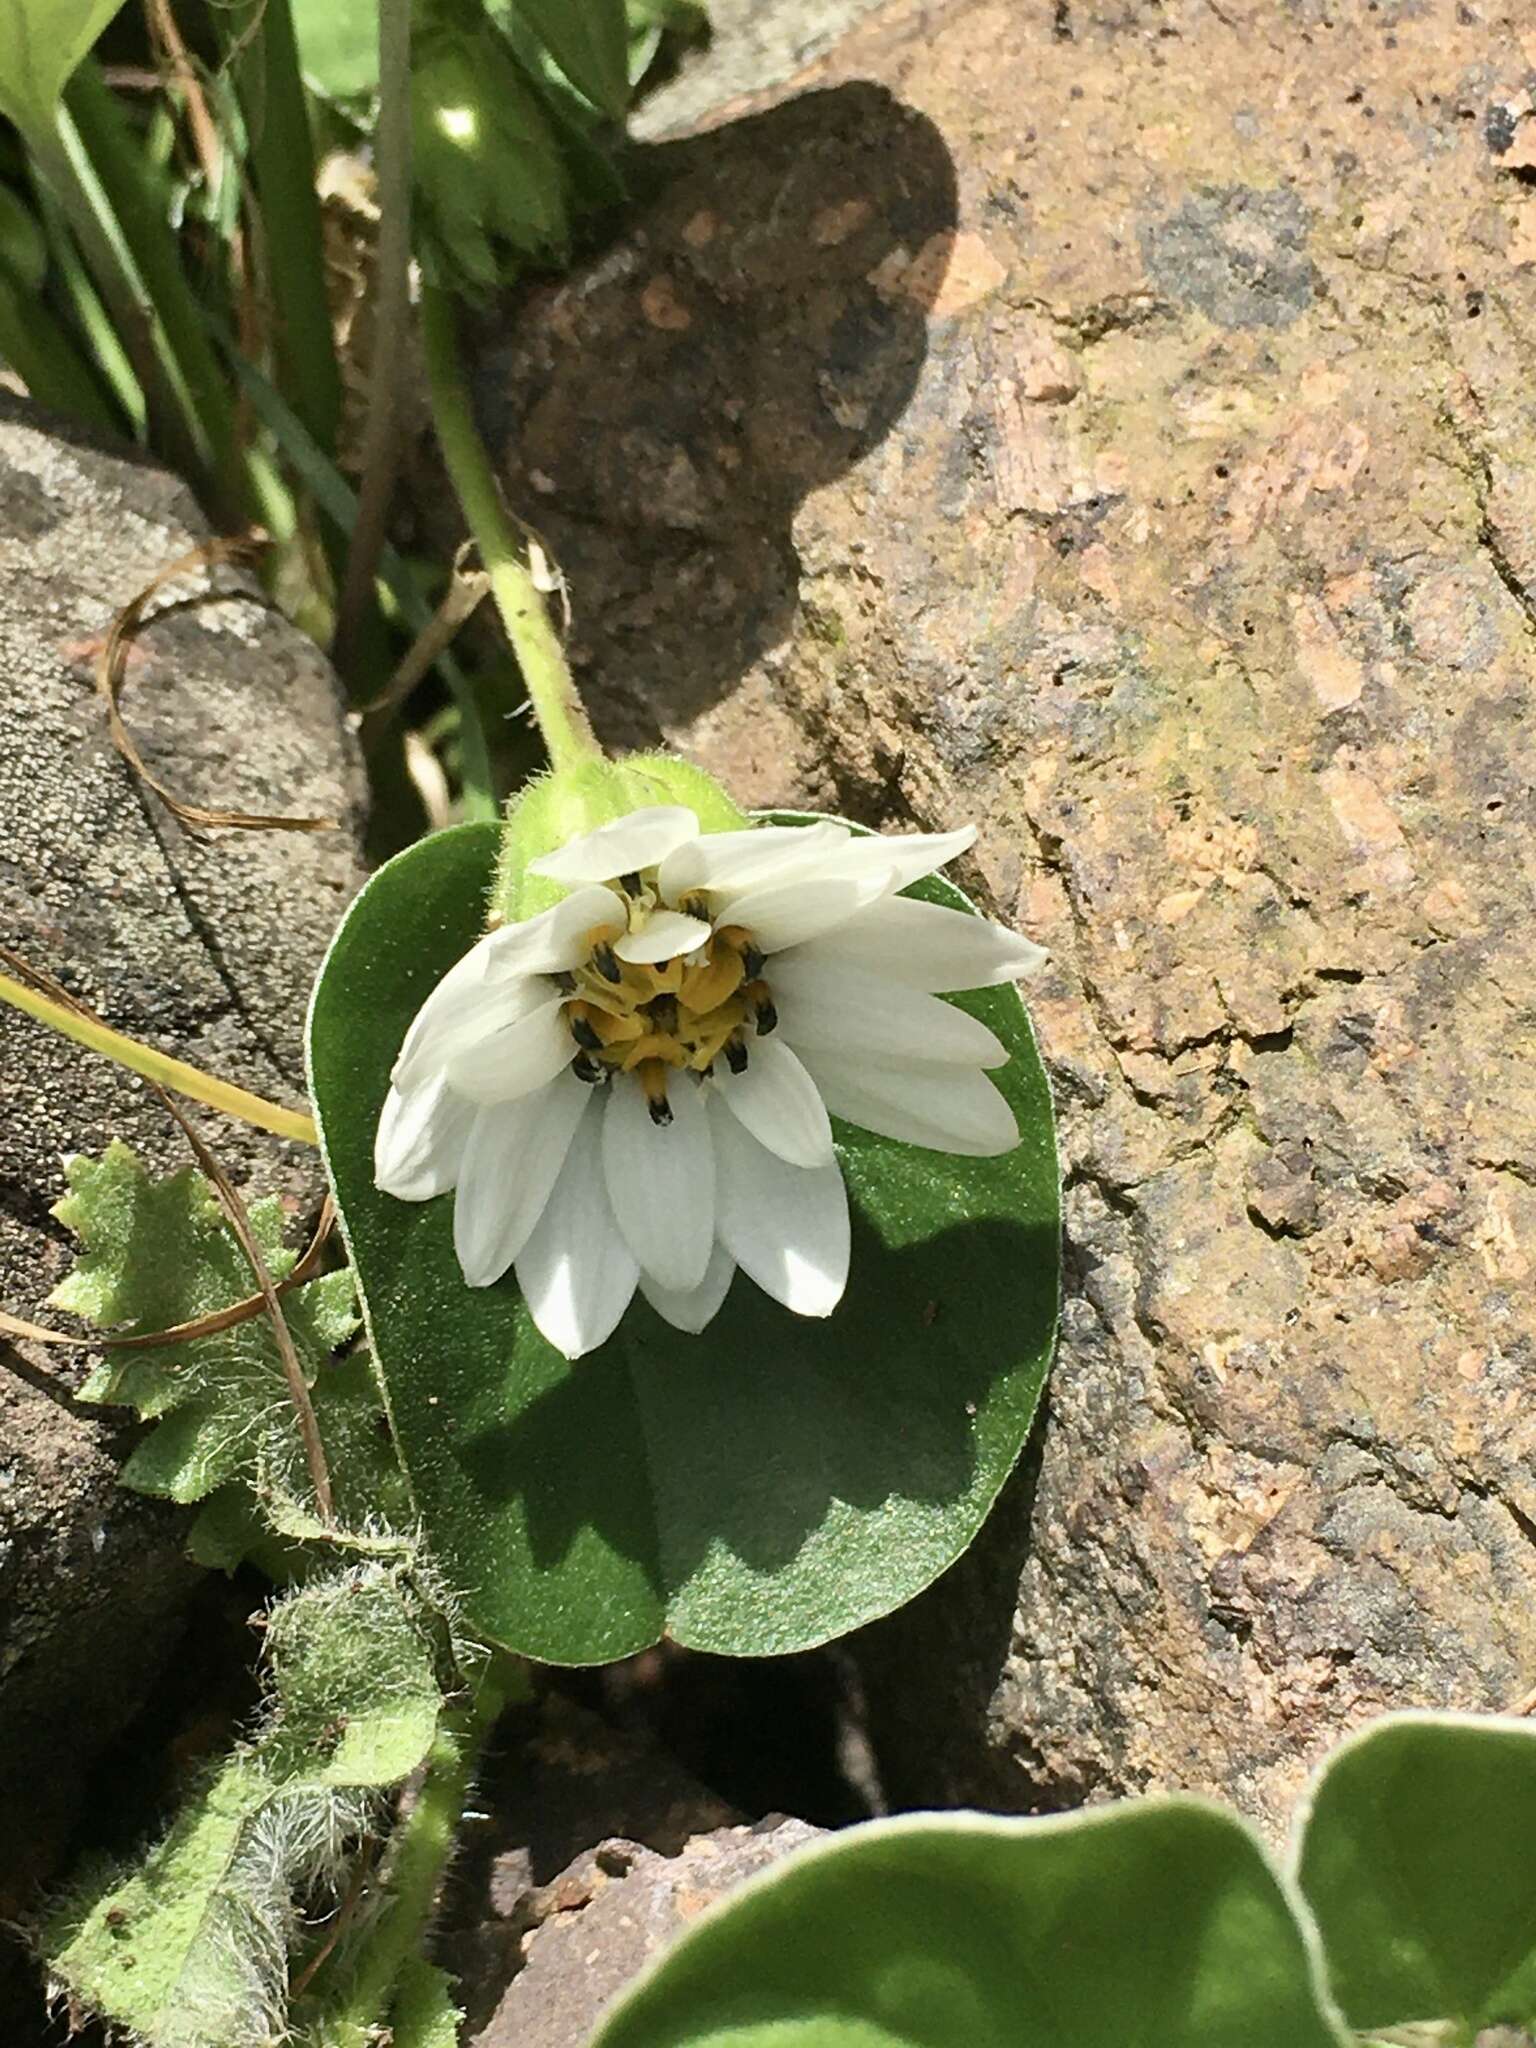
(674, 1016)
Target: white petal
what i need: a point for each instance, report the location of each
(420, 1141)
(513, 1158)
(779, 1103)
(477, 1011)
(556, 939)
(639, 840)
(928, 946)
(463, 978)
(829, 1007)
(906, 855)
(692, 1310)
(517, 1058)
(661, 1180)
(946, 1108)
(735, 860)
(666, 934)
(785, 1226)
(783, 914)
(576, 1272)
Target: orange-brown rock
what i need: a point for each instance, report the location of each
(1116, 425)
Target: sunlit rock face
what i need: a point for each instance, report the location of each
(1113, 427)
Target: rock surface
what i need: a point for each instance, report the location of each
(568, 1802)
(203, 947)
(1114, 424)
(610, 1914)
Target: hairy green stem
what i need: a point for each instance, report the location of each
(283, 167)
(568, 736)
(391, 329)
(421, 1850)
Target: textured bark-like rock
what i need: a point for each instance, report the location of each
(203, 947)
(1155, 486)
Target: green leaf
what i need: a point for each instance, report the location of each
(190, 1949)
(761, 1488)
(338, 46)
(1417, 1855)
(487, 171)
(1158, 1921)
(156, 1254)
(589, 40)
(41, 43)
(424, 2014)
(23, 245)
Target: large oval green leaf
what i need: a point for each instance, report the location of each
(41, 42)
(759, 1489)
(1417, 1855)
(1158, 1922)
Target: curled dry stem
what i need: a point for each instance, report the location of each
(112, 662)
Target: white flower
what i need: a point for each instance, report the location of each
(633, 1088)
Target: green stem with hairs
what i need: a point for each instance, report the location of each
(421, 1850)
(568, 737)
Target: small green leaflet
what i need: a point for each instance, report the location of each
(190, 1948)
(41, 43)
(767, 1486)
(338, 46)
(589, 40)
(158, 1253)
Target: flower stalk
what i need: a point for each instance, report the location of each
(568, 736)
(421, 1851)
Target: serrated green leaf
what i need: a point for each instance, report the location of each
(761, 1488)
(1154, 1922)
(338, 46)
(158, 1253)
(41, 43)
(1417, 1854)
(190, 1949)
(589, 40)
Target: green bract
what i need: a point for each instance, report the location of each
(41, 43)
(1409, 1908)
(765, 1486)
(560, 806)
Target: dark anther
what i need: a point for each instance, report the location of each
(661, 1110)
(630, 884)
(606, 964)
(566, 983)
(752, 963)
(767, 1017)
(736, 1056)
(585, 1068)
(695, 906)
(585, 1036)
(706, 1073)
(662, 1011)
